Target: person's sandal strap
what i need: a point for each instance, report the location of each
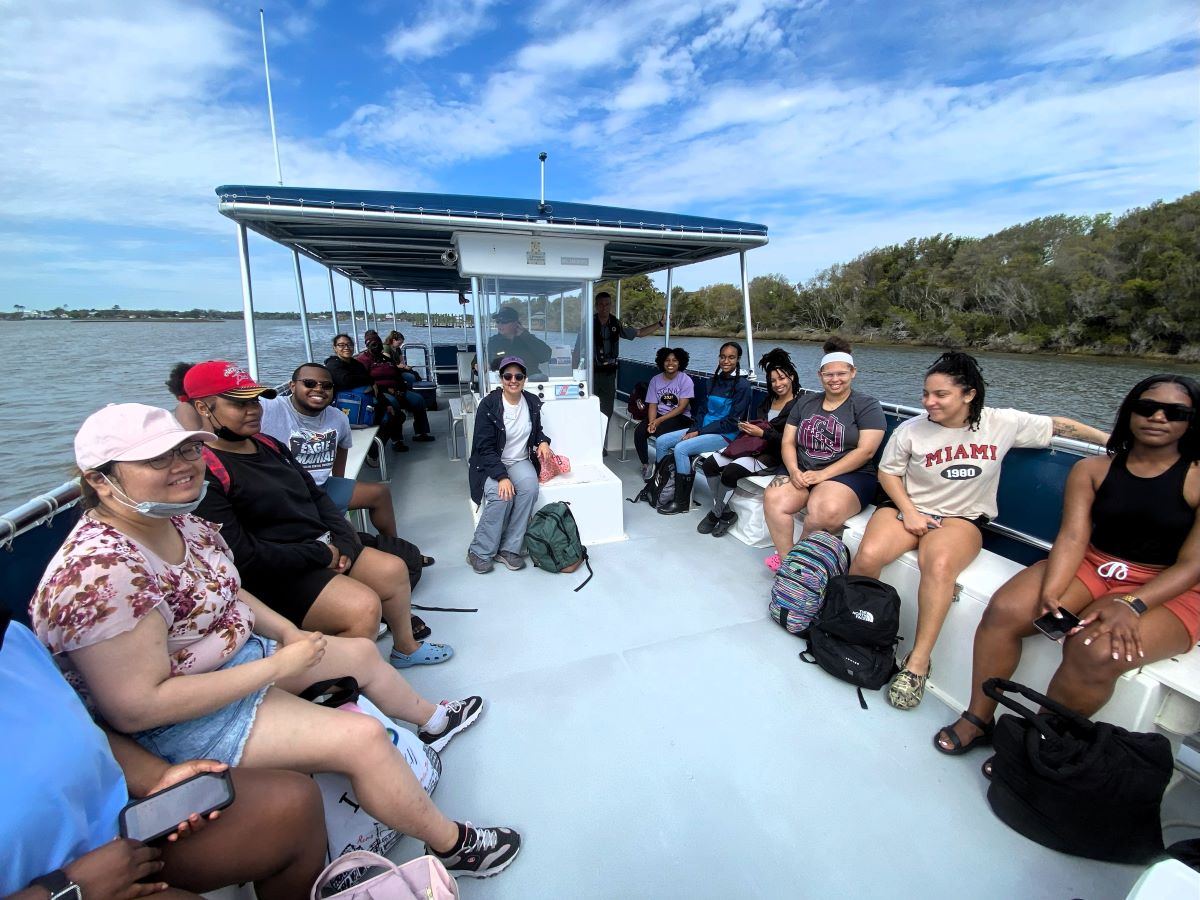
(985, 727)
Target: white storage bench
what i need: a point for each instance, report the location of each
(576, 430)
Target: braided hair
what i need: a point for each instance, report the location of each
(778, 360)
(964, 369)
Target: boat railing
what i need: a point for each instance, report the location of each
(38, 511)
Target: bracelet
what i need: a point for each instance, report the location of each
(1133, 602)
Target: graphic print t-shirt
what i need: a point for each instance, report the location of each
(313, 440)
(667, 394)
(825, 436)
(956, 471)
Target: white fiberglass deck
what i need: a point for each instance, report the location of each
(655, 735)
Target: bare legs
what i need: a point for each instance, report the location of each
(375, 497)
(829, 505)
(350, 605)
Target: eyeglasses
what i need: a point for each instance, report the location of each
(1173, 412)
(831, 376)
(344, 346)
(513, 376)
(311, 383)
(190, 451)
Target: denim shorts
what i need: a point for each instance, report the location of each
(220, 735)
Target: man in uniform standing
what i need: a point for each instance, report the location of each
(607, 332)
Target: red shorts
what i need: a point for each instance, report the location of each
(1103, 574)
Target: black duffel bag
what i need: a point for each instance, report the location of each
(1081, 787)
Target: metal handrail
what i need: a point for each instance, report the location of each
(40, 510)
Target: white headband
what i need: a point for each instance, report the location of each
(836, 356)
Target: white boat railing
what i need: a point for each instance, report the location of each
(38, 511)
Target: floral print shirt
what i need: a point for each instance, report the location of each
(101, 583)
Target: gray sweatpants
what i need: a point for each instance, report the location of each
(502, 523)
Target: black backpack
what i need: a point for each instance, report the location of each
(664, 479)
(854, 635)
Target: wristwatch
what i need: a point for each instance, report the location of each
(1135, 603)
(59, 885)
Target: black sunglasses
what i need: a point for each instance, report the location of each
(513, 376)
(1174, 412)
(311, 383)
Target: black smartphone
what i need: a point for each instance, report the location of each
(152, 817)
(1054, 627)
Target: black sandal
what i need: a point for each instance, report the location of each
(959, 748)
(419, 629)
(427, 561)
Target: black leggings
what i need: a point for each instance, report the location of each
(730, 473)
(641, 436)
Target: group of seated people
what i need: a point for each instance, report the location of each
(209, 581)
(1126, 559)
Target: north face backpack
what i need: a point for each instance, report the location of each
(854, 635)
(552, 541)
(799, 587)
(637, 402)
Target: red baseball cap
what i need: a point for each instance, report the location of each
(217, 376)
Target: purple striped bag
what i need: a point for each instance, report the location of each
(799, 587)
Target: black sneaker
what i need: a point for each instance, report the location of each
(460, 715)
(485, 852)
(424, 438)
(707, 524)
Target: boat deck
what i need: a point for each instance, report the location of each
(655, 735)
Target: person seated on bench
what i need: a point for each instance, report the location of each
(667, 399)
(513, 340)
(348, 374)
(723, 471)
(715, 424)
(1126, 561)
(143, 603)
(389, 378)
(941, 471)
(393, 350)
(828, 447)
(293, 547)
(66, 780)
(320, 438)
(507, 448)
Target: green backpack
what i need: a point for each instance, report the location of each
(552, 541)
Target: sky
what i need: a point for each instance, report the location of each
(842, 126)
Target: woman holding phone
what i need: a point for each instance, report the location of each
(941, 471)
(1126, 561)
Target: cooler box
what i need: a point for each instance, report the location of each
(358, 405)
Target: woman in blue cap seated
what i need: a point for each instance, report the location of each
(506, 450)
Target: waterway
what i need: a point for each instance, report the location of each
(64, 371)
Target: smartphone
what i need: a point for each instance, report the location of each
(936, 519)
(1055, 628)
(152, 817)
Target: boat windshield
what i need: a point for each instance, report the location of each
(543, 323)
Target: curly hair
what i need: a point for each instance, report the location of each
(1121, 440)
(964, 370)
(681, 356)
(175, 380)
(779, 360)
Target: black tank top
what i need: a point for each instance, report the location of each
(1142, 520)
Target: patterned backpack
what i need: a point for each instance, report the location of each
(799, 587)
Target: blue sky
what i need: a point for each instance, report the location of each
(841, 125)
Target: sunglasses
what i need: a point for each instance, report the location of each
(311, 383)
(1174, 412)
(513, 376)
(190, 451)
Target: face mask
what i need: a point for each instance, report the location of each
(225, 434)
(156, 509)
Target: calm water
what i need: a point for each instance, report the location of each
(84, 366)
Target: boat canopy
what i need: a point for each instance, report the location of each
(399, 241)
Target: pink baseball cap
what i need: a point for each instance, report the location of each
(126, 432)
(217, 376)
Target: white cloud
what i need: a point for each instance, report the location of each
(438, 29)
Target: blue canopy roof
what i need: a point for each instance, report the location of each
(395, 240)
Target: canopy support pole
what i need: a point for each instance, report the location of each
(333, 302)
(481, 361)
(588, 315)
(667, 333)
(429, 329)
(562, 313)
(374, 311)
(618, 314)
(746, 315)
(395, 327)
(308, 351)
(247, 302)
(353, 314)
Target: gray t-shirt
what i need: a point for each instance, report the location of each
(825, 436)
(313, 440)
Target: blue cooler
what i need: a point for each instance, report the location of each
(358, 404)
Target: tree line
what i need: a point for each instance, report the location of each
(1102, 284)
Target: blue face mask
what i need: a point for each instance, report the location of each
(156, 509)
